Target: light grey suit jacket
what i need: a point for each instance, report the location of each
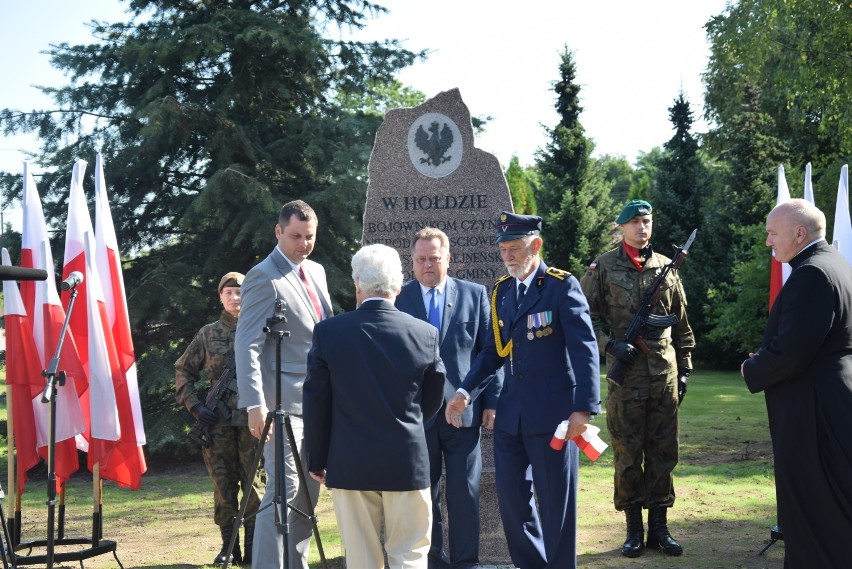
(270, 280)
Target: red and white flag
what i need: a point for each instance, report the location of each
(842, 238)
(132, 464)
(24, 381)
(47, 316)
(779, 271)
(88, 325)
(590, 442)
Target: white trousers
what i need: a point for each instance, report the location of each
(408, 527)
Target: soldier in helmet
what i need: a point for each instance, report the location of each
(641, 413)
(231, 453)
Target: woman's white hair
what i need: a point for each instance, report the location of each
(377, 270)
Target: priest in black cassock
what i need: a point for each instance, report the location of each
(804, 367)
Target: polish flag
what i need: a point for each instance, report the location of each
(779, 271)
(590, 442)
(88, 325)
(47, 317)
(24, 381)
(842, 238)
(132, 464)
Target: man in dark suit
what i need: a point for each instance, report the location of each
(374, 375)
(285, 275)
(459, 309)
(804, 368)
(547, 346)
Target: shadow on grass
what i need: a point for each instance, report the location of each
(708, 543)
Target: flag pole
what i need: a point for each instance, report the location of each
(97, 504)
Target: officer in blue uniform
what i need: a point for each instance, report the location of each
(543, 338)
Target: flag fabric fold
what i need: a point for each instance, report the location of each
(126, 464)
(842, 235)
(24, 381)
(779, 271)
(809, 187)
(46, 315)
(112, 440)
(590, 442)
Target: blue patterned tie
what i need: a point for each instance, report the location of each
(434, 312)
(522, 288)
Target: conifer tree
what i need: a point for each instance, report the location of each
(210, 115)
(573, 196)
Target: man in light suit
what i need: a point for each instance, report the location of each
(374, 375)
(285, 275)
(459, 309)
(547, 345)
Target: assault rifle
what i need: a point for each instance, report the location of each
(643, 318)
(217, 400)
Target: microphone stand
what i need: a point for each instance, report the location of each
(54, 377)
(281, 421)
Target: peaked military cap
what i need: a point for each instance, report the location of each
(230, 279)
(514, 226)
(632, 209)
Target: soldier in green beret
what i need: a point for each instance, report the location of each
(642, 413)
(230, 455)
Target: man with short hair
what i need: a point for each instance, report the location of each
(374, 375)
(804, 368)
(230, 456)
(543, 339)
(459, 310)
(288, 276)
(641, 413)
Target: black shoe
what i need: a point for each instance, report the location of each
(438, 562)
(658, 533)
(227, 531)
(633, 545)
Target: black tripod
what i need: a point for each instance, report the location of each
(775, 534)
(281, 419)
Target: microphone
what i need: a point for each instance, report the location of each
(9, 273)
(73, 280)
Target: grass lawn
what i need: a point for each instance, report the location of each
(724, 510)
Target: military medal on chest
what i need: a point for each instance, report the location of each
(538, 324)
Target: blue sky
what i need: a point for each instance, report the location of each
(632, 60)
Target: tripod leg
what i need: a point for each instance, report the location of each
(310, 514)
(238, 520)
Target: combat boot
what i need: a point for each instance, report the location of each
(227, 531)
(658, 533)
(633, 545)
(248, 542)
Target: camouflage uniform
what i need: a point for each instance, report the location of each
(231, 453)
(641, 414)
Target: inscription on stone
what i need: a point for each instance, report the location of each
(426, 171)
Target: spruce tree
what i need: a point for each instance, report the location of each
(521, 187)
(210, 115)
(573, 196)
(678, 197)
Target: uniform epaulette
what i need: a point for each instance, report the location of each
(501, 279)
(558, 273)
